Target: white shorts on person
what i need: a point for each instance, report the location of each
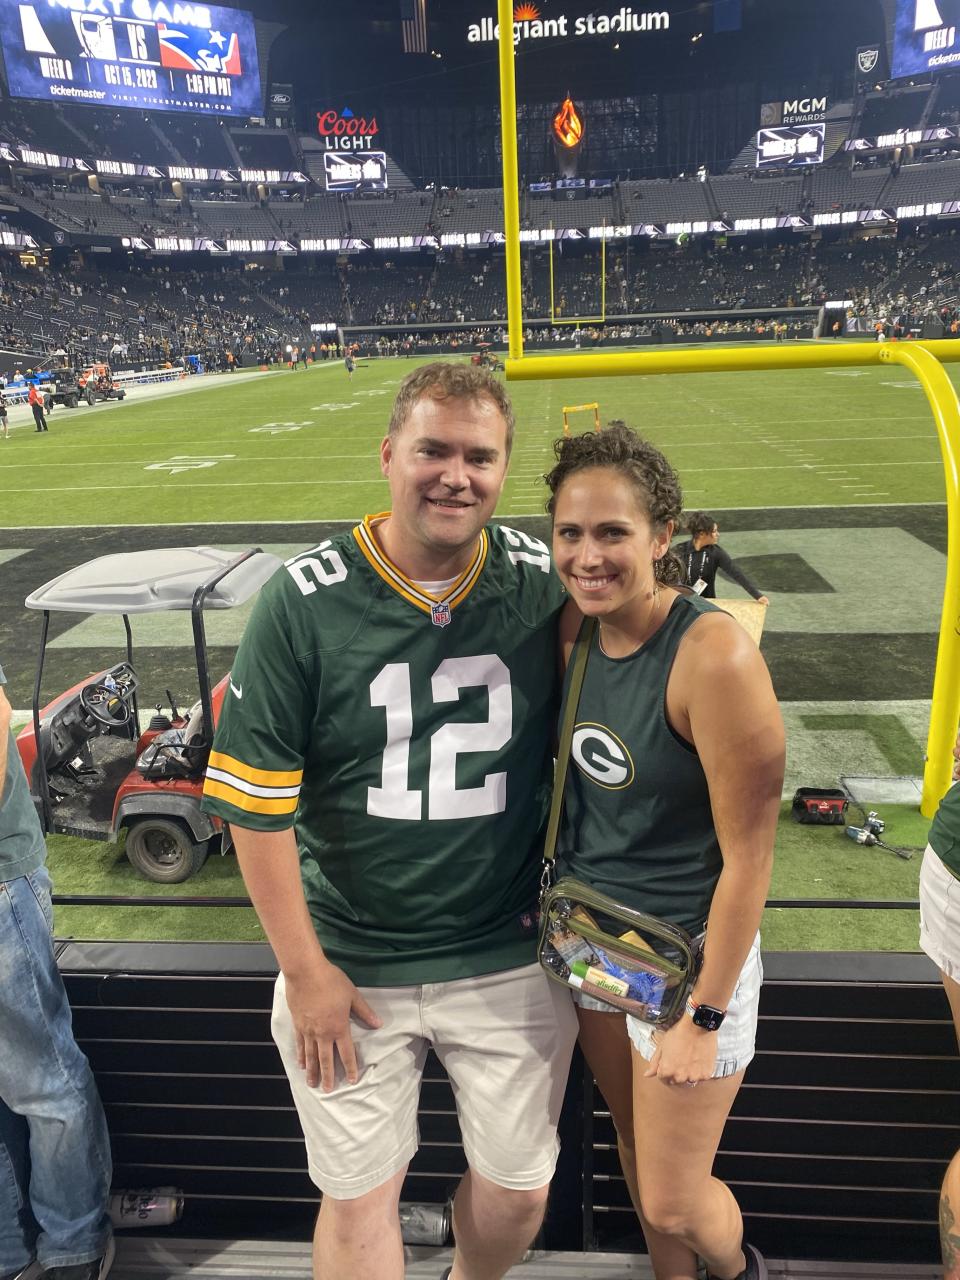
(940, 914)
(505, 1040)
(737, 1037)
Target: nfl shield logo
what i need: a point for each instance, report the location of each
(440, 614)
(867, 59)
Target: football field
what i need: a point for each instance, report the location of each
(828, 487)
(293, 446)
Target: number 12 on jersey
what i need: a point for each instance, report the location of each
(392, 690)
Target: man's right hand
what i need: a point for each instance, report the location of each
(321, 1004)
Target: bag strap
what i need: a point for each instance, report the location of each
(578, 667)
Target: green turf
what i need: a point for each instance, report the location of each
(92, 867)
(806, 467)
(302, 445)
(810, 862)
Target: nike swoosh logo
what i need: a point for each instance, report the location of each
(237, 689)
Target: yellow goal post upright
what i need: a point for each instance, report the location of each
(922, 359)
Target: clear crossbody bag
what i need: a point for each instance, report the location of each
(589, 941)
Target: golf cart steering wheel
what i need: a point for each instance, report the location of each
(104, 705)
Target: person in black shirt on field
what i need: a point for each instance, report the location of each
(701, 557)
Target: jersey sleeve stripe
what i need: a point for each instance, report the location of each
(263, 777)
(247, 803)
(251, 788)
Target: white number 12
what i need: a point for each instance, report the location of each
(391, 690)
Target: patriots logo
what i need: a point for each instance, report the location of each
(186, 49)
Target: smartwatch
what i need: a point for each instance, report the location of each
(705, 1016)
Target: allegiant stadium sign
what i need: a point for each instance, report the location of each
(528, 25)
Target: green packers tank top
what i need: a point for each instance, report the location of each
(637, 823)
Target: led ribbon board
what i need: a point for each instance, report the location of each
(147, 54)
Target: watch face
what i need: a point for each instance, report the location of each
(708, 1018)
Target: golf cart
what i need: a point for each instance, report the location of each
(63, 389)
(96, 383)
(97, 771)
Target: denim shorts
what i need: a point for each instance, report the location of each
(736, 1039)
(940, 915)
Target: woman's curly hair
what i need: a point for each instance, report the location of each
(619, 448)
(699, 522)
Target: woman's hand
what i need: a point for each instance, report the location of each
(685, 1054)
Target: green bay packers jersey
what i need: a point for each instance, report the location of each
(407, 738)
(637, 822)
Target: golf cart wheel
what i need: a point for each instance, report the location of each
(164, 851)
(90, 398)
(72, 402)
(121, 394)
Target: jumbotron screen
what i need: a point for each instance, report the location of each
(147, 54)
(926, 37)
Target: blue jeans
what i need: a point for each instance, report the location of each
(55, 1164)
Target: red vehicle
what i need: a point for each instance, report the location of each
(97, 773)
(96, 383)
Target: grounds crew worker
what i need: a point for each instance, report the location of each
(35, 400)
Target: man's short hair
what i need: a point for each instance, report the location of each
(442, 380)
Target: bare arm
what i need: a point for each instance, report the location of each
(320, 996)
(5, 714)
(721, 699)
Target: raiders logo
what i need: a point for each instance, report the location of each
(601, 755)
(867, 59)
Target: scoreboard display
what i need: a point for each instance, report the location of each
(147, 54)
(790, 147)
(926, 37)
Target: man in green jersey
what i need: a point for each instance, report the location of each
(940, 939)
(383, 759)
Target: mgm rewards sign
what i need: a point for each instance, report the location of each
(528, 25)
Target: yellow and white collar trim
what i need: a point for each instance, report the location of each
(438, 607)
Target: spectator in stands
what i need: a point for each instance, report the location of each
(940, 939)
(35, 401)
(702, 556)
(677, 690)
(54, 1146)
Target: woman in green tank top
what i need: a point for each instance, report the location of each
(671, 804)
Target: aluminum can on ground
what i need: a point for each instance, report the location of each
(146, 1207)
(425, 1223)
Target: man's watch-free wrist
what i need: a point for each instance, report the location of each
(705, 1016)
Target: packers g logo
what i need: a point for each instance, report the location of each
(601, 755)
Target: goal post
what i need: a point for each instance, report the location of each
(578, 320)
(923, 359)
(568, 409)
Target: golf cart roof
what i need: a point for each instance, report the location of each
(155, 581)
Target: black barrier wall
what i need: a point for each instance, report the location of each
(835, 1149)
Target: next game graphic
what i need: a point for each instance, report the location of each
(925, 37)
(133, 53)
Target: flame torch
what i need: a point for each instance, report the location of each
(567, 133)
